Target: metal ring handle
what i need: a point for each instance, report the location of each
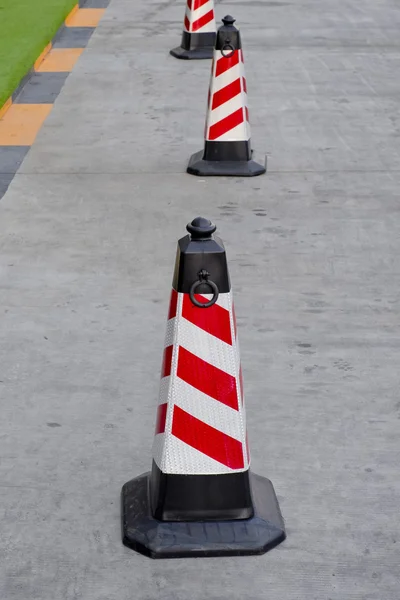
(232, 49)
(215, 292)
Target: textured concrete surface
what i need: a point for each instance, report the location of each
(88, 235)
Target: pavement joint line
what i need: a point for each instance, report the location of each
(24, 112)
(164, 174)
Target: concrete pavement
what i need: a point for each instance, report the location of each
(88, 234)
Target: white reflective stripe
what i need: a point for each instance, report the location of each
(208, 410)
(209, 28)
(225, 110)
(195, 15)
(188, 14)
(158, 449)
(237, 134)
(164, 390)
(172, 377)
(171, 454)
(170, 332)
(226, 78)
(214, 351)
(203, 10)
(180, 458)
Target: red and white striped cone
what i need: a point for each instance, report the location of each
(200, 498)
(227, 149)
(198, 36)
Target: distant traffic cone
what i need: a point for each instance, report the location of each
(198, 36)
(227, 149)
(200, 498)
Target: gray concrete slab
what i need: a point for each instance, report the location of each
(41, 88)
(88, 234)
(5, 180)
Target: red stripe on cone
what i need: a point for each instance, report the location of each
(226, 62)
(244, 85)
(234, 320)
(227, 93)
(247, 113)
(172, 304)
(241, 383)
(207, 379)
(167, 361)
(187, 23)
(224, 125)
(198, 4)
(215, 320)
(247, 449)
(203, 20)
(161, 418)
(204, 438)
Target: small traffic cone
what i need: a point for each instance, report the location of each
(227, 149)
(198, 36)
(200, 498)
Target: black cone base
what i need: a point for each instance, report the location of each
(162, 539)
(207, 168)
(194, 54)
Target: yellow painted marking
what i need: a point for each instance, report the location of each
(5, 107)
(60, 60)
(42, 56)
(85, 17)
(71, 14)
(20, 125)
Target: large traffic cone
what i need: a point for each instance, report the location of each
(200, 498)
(227, 149)
(198, 36)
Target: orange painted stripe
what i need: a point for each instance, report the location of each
(196, 25)
(60, 60)
(5, 107)
(225, 125)
(85, 17)
(42, 56)
(20, 126)
(71, 13)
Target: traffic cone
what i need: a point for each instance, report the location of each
(198, 36)
(200, 498)
(227, 149)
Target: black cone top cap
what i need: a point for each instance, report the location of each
(228, 20)
(228, 37)
(201, 228)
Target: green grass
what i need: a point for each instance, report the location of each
(26, 27)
